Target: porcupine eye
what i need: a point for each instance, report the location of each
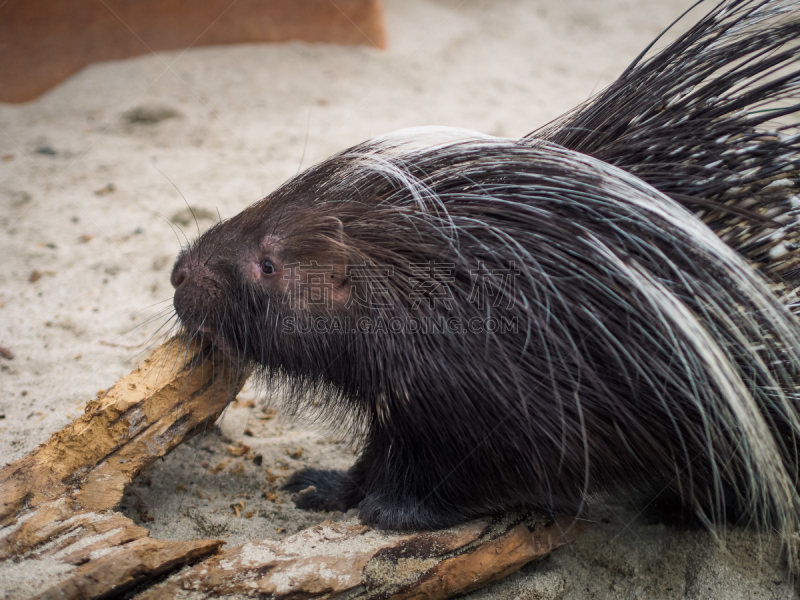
(267, 268)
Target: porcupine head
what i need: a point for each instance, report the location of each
(247, 279)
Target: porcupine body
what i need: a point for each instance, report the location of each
(523, 323)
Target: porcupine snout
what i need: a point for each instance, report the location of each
(197, 290)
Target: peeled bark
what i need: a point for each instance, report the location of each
(354, 561)
(56, 504)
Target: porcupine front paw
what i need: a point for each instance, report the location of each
(317, 489)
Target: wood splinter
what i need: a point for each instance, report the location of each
(57, 513)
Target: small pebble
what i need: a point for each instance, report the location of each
(106, 189)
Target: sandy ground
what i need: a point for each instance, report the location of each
(91, 173)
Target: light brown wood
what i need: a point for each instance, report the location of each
(123, 567)
(56, 504)
(349, 559)
(141, 418)
(42, 42)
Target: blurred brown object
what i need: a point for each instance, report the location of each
(42, 42)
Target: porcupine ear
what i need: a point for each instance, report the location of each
(317, 251)
(327, 247)
(330, 234)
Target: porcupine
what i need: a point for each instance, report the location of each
(640, 254)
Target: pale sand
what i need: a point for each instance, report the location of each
(247, 117)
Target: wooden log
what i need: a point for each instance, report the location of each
(333, 559)
(124, 567)
(141, 418)
(42, 42)
(56, 504)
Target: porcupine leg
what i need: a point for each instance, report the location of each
(319, 489)
(316, 489)
(374, 485)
